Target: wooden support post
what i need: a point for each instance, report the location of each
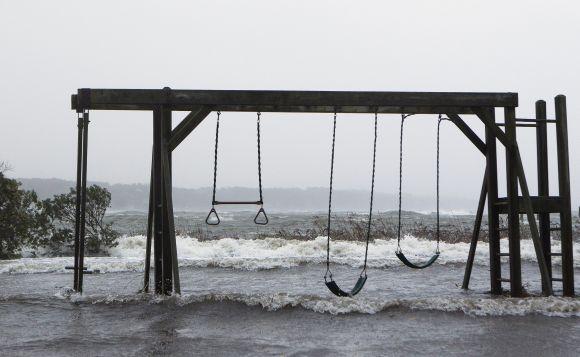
(166, 166)
(80, 126)
(170, 220)
(83, 207)
(476, 230)
(564, 188)
(147, 270)
(157, 201)
(543, 182)
(513, 206)
(492, 214)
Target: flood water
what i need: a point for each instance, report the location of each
(267, 297)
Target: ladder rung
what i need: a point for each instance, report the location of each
(555, 254)
(504, 254)
(521, 125)
(502, 229)
(556, 279)
(524, 120)
(504, 280)
(555, 229)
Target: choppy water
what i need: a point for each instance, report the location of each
(267, 297)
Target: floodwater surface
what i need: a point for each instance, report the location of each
(267, 297)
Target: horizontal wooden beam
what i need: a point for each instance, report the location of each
(293, 101)
(552, 204)
(295, 109)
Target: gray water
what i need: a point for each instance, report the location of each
(284, 311)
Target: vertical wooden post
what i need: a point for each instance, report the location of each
(166, 180)
(513, 205)
(80, 126)
(170, 222)
(476, 230)
(157, 201)
(492, 213)
(147, 269)
(564, 188)
(83, 207)
(543, 183)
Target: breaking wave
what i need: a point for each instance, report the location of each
(474, 306)
(271, 253)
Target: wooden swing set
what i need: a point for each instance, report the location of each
(200, 103)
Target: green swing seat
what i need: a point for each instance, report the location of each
(408, 263)
(336, 290)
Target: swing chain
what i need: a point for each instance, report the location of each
(259, 158)
(215, 160)
(403, 117)
(369, 226)
(437, 188)
(328, 272)
(440, 119)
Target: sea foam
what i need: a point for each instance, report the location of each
(474, 306)
(271, 253)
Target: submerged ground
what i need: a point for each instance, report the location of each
(267, 297)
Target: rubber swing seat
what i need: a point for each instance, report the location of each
(408, 263)
(336, 290)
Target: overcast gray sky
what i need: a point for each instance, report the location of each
(51, 48)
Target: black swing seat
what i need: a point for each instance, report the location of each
(336, 290)
(406, 261)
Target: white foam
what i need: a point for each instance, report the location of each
(278, 252)
(548, 306)
(272, 253)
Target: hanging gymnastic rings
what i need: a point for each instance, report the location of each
(263, 213)
(213, 212)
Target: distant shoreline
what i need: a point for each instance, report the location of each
(134, 197)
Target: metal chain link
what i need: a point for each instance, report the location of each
(215, 160)
(441, 118)
(259, 158)
(437, 188)
(372, 196)
(328, 272)
(403, 116)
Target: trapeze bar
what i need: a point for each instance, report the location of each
(216, 203)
